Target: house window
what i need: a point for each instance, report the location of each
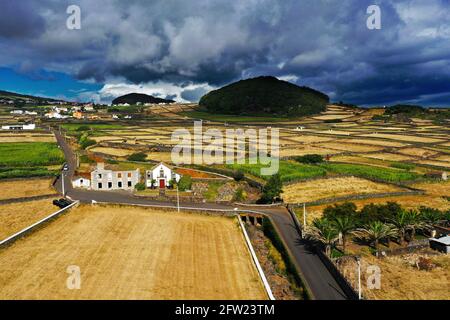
(99, 175)
(100, 185)
(161, 173)
(129, 184)
(119, 184)
(119, 175)
(129, 174)
(109, 185)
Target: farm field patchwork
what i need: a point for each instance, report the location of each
(30, 154)
(131, 253)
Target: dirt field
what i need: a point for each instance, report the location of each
(25, 188)
(131, 253)
(17, 216)
(329, 188)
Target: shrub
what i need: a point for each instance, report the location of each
(340, 210)
(240, 195)
(310, 159)
(83, 128)
(138, 157)
(185, 183)
(238, 175)
(272, 190)
(140, 186)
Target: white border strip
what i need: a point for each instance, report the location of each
(18, 234)
(255, 260)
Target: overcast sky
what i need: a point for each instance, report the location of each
(185, 48)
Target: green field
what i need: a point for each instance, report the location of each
(363, 171)
(289, 171)
(92, 126)
(29, 159)
(231, 118)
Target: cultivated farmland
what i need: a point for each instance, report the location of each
(131, 253)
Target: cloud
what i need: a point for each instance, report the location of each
(168, 46)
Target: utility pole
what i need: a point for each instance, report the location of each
(304, 216)
(178, 199)
(62, 181)
(358, 261)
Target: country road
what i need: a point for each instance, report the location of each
(320, 282)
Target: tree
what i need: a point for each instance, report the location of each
(310, 159)
(415, 223)
(238, 175)
(401, 223)
(138, 157)
(140, 186)
(272, 190)
(345, 225)
(323, 231)
(430, 217)
(376, 231)
(185, 183)
(338, 210)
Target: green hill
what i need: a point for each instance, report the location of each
(265, 96)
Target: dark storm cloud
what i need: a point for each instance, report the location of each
(324, 44)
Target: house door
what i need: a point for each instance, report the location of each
(162, 184)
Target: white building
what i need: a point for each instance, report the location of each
(17, 112)
(30, 126)
(81, 182)
(160, 176)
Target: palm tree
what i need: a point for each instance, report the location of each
(431, 218)
(401, 223)
(323, 231)
(344, 225)
(377, 231)
(415, 223)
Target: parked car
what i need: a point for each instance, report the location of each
(62, 203)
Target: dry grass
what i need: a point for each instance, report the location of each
(434, 163)
(435, 188)
(417, 152)
(383, 143)
(131, 253)
(388, 156)
(334, 116)
(25, 188)
(329, 188)
(301, 151)
(402, 280)
(400, 137)
(350, 147)
(112, 151)
(17, 216)
(306, 139)
(26, 138)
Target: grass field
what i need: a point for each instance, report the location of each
(25, 188)
(30, 154)
(17, 216)
(131, 253)
(230, 118)
(370, 172)
(329, 188)
(289, 170)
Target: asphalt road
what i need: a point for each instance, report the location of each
(316, 276)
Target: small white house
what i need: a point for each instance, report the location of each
(31, 126)
(160, 176)
(441, 244)
(81, 182)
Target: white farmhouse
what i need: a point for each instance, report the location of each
(82, 181)
(30, 126)
(161, 176)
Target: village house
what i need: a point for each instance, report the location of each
(82, 180)
(78, 115)
(437, 175)
(30, 126)
(102, 179)
(161, 176)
